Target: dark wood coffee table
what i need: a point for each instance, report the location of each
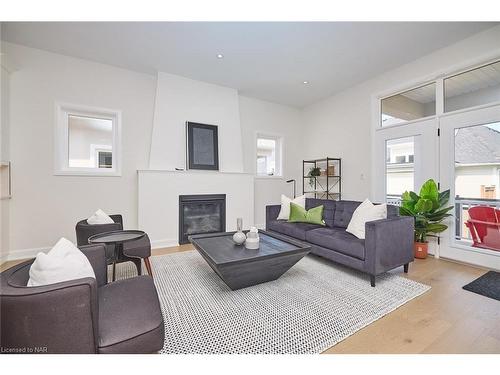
(239, 267)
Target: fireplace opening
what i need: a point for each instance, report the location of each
(201, 213)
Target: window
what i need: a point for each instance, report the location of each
(472, 88)
(88, 141)
(268, 155)
(400, 172)
(477, 174)
(409, 105)
(105, 159)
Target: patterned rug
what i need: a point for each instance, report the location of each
(313, 306)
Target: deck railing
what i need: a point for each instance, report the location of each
(394, 199)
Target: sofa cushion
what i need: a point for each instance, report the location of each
(285, 205)
(130, 319)
(301, 215)
(295, 230)
(343, 213)
(328, 208)
(366, 211)
(339, 240)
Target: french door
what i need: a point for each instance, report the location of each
(405, 157)
(470, 168)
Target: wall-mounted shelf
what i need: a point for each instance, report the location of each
(328, 185)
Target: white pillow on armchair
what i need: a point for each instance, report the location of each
(62, 263)
(99, 217)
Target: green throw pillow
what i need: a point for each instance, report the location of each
(300, 215)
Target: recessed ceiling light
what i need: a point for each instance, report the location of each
(220, 56)
(305, 82)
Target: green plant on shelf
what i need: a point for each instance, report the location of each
(313, 173)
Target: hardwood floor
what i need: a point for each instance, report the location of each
(447, 319)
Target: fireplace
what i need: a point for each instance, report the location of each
(201, 213)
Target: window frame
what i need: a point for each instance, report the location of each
(400, 91)
(61, 157)
(279, 139)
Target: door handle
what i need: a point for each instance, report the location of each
(7, 164)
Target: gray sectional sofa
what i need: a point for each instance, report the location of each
(388, 243)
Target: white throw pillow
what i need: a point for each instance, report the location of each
(366, 211)
(63, 262)
(100, 217)
(285, 205)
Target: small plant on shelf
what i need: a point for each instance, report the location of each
(429, 211)
(313, 173)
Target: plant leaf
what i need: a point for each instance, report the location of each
(444, 197)
(407, 201)
(424, 205)
(436, 228)
(430, 191)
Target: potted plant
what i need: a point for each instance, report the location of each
(429, 210)
(313, 173)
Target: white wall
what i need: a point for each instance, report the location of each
(45, 207)
(180, 99)
(341, 126)
(267, 118)
(4, 156)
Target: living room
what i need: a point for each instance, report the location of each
(250, 187)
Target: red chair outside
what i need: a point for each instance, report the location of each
(484, 227)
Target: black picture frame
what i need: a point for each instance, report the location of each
(202, 146)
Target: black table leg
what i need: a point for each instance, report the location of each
(118, 256)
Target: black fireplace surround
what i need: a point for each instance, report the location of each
(201, 213)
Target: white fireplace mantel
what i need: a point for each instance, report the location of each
(158, 203)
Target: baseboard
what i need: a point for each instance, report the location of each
(168, 242)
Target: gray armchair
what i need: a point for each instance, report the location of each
(80, 316)
(133, 251)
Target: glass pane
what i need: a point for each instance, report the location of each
(90, 143)
(477, 179)
(266, 156)
(409, 105)
(400, 170)
(475, 87)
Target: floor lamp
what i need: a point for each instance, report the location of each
(294, 186)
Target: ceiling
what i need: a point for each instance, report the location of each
(266, 60)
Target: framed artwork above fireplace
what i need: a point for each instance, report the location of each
(202, 146)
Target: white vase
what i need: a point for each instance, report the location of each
(252, 241)
(239, 237)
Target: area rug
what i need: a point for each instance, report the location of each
(487, 285)
(313, 306)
